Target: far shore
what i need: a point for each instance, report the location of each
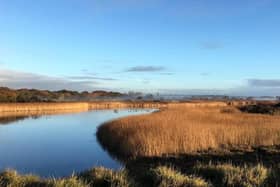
(85, 106)
(52, 108)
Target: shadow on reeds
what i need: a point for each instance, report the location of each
(265, 156)
(139, 168)
(271, 109)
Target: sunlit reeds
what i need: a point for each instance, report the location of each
(184, 129)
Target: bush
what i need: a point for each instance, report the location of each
(259, 109)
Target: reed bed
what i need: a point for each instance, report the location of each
(84, 106)
(39, 107)
(183, 129)
(125, 104)
(39, 113)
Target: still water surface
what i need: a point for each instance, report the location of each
(57, 145)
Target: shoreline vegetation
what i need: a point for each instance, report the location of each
(184, 144)
(181, 129)
(95, 105)
(198, 170)
(9, 95)
(52, 108)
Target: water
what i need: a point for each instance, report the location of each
(57, 145)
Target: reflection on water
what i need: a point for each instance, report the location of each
(56, 145)
(9, 117)
(7, 120)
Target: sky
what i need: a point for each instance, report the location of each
(176, 47)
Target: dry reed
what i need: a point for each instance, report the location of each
(184, 129)
(39, 107)
(42, 107)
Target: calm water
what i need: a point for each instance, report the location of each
(56, 145)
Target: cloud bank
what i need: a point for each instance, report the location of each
(87, 77)
(264, 83)
(146, 69)
(16, 79)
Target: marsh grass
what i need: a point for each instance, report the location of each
(200, 175)
(167, 176)
(229, 175)
(42, 107)
(96, 177)
(184, 129)
(11, 178)
(102, 177)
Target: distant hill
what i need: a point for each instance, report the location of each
(32, 95)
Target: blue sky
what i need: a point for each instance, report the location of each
(191, 47)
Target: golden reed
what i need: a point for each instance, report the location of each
(185, 128)
(27, 109)
(17, 107)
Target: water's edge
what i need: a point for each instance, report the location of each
(28, 153)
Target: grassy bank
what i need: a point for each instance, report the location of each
(237, 167)
(199, 175)
(183, 129)
(94, 177)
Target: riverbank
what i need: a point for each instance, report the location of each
(126, 104)
(197, 145)
(184, 144)
(82, 106)
(42, 107)
(166, 172)
(59, 106)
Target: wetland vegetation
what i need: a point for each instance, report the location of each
(181, 145)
